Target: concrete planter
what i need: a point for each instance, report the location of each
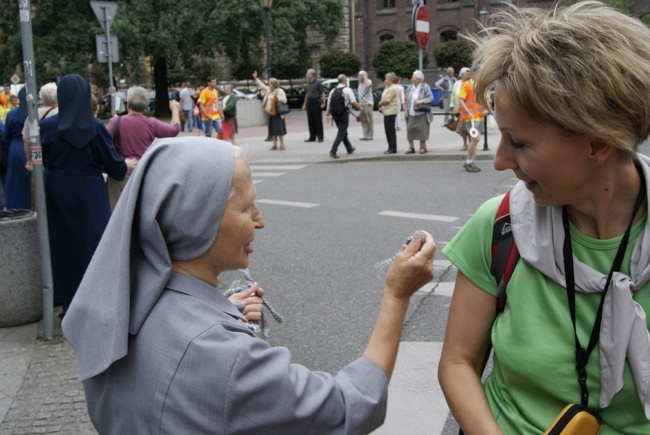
(250, 114)
(21, 299)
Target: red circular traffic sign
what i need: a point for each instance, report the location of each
(421, 25)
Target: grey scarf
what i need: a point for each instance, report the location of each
(539, 235)
(170, 209)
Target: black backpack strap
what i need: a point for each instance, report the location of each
(504, 251)
(116, 133)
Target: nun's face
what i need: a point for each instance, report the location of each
(240, 220)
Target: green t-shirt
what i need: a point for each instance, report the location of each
(534, 375)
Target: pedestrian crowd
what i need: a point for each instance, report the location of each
(556, 273)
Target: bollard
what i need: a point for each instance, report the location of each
(21, 299)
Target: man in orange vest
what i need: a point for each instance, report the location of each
(209, 106)
(471, 114)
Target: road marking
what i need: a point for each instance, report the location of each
(276, 167)
(257, 181)
(267, 174)
(428, 217)
(288, 203)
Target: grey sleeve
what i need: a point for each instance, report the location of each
(248, 387)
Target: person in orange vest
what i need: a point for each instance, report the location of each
(209, 107)
(471, 114)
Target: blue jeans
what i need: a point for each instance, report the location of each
(189, 119)
(207, 126)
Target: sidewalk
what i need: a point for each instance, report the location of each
(39, 387)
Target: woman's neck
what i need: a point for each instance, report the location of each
(606, 210)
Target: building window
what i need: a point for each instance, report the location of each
(445, 2)
(385, 4)
(448, 35)
(384, 38)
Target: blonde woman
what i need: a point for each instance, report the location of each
(273, 95)
(574, 329)
(388, 106)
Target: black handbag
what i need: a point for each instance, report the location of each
(423, 107)
(283, 108)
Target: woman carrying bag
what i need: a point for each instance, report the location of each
(274, 96)
(418, 112)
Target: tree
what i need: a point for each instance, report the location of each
(163, 32)
(335, 62)
(400, 57)
(456, 54)
(289, 67)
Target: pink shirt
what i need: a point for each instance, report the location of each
(137, 132)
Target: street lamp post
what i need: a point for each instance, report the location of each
(483, 15)
(266, 5)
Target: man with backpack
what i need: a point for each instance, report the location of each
(340, 98)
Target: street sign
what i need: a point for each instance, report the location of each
(15, 79)
(421, 25)
(105, 13)
(102, 49)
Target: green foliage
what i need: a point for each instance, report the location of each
(289, 67)
(335, 62)
(400, 57)
(456, 54)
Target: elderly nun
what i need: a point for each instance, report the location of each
(161, 350)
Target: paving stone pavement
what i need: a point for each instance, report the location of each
(51, 398)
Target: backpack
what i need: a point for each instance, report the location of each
(337, 102)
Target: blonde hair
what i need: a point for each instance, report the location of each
(585, 68)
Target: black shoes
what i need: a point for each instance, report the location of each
(353, 150)
(310, 140)
(390, 152)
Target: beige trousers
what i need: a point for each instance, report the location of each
(366, 120)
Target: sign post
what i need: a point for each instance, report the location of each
(105, 13)
(421, 25)
(37, 166)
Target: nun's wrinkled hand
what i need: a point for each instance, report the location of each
(249, 302)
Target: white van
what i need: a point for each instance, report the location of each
(330, 84)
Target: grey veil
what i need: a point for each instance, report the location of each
(170, 209)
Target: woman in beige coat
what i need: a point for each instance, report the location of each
(273, 95)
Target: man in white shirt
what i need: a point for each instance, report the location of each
(366, 101)
(340, 98)
(187, 105)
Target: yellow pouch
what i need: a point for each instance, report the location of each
(575, 419)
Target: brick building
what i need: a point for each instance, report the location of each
(376, 21)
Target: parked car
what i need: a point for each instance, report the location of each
(353, 83)
(295, 97)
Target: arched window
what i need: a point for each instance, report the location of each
(386, 37)
(448, 35)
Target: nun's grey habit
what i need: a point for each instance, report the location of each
(161, 352)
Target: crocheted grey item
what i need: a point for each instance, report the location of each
(383, 266)
(239, 286)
